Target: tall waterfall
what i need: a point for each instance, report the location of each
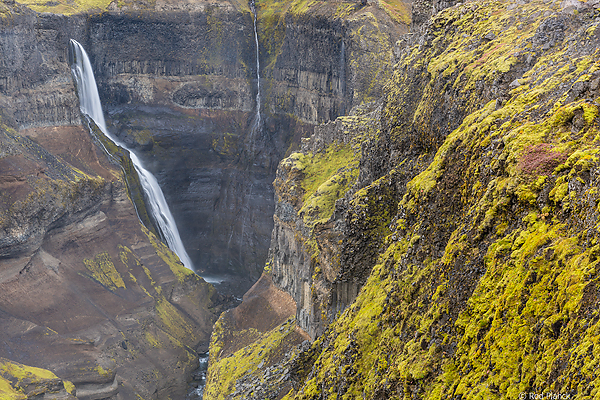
(256, 123)
(343, 68)
(89, 103)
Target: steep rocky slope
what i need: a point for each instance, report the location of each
(86, 291)
(18, 381)
(113, 311)
(178, 80)
(442, 243)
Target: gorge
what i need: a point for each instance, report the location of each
(405, 194)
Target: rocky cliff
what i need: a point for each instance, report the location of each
(87, 292)
(181, 88)
(178, 80)
(113, 311)
(441, 242)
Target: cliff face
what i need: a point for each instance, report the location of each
(482, 280)
(441, 243)
(88, 293)
(179, 91)
(179, 83)
(305, 80)
(35, 84)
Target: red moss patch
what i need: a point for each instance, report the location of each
(540, 159)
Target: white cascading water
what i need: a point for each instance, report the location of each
(90, 105)
(343, 68)
(256, 124)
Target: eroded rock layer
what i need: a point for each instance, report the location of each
(86, 291)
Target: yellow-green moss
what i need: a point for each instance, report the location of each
(502, 309)
(153, 340)
(103, 270)
(103, 372)
(174, 322)
(225, 371)
(69, 387)
(13, 374)
(168, 256)
(327, 177)
(67, 7)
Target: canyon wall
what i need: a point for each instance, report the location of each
(92, 304)
(180, 88)
(178, 81)
(442, 242)
(87, 292)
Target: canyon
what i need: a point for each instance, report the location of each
(178, 84)
(415, 216)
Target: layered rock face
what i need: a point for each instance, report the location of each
(181, 89)
(87, 292)
(36, 88)
(180, 92)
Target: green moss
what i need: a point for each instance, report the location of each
(103, 372)
(22, 372)
(169, 257)
(103, 270)
(67, 7)
(69, 387)
(15, 376)
(226, 144)
(225, 371)
(174, 322)
(327, 177)
(8, 392)
(151, 339)
(398, 10)
(484, 287)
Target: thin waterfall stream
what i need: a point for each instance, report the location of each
(90, 105)
(256, 124)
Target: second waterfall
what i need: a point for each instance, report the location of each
(90, 105)
(256, 124)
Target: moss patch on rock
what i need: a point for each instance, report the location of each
(19, 381)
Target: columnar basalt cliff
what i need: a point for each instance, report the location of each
(442, 242)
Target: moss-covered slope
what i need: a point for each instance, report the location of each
(18, 382)
(485, 285)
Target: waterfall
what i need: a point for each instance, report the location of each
(343, 68)
(89, 103)
(256, 124)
